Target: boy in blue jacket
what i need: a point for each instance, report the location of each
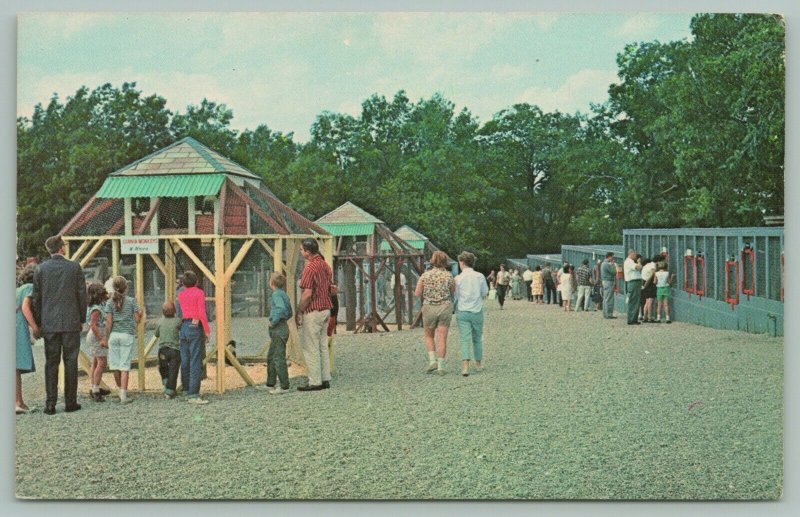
(280, 311)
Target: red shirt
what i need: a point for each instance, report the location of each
(317, 276)
(193, 306)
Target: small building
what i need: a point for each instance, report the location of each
(188, 207)
(420, 242)
(377, 269)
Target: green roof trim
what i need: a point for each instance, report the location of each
(419, 245)
(348, 230)
(161, 186)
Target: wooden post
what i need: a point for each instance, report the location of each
(127, 215)
(410, 292)
(228, 291)
(171, 267)
(398, 295)
(350, 294)
(360, 289)
(192, 217)
(277, 257)
(293, 349)
(115, 257)
(373, 310)
(140, 328)
(327, 250)
(66, 250)
(220, 312)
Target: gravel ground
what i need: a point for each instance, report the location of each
(570, 406)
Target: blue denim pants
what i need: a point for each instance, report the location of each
(192, 354)
(470, 326)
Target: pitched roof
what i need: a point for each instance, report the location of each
(186, 156)
(407, 233)
(348, 213)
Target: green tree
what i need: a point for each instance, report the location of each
(66, 150)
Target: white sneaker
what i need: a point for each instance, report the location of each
(431, 368)
(126, 400)
(278, 391)
(197, 400)
(264, 387)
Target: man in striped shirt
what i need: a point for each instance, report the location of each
(312, 316)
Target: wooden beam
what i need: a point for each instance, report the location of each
(267, 247)
(160, 265)
(92, 252)
(238, 366)
(170, 277)
(219, 310)
(190, 209)
(78, 252)
(142, 366)
(223, 197)
(277, 257)
(327, 249)
(373, 308)
(398, 298)
(189, 253)
(237, 261)
(115, 257)
(127, 215)
(77, 216)
(257, 209)
(149, 216)
(290, 267)
(228, 290)
(150, 345)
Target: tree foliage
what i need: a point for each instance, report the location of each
(691, 135)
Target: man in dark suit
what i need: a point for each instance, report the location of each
(59, 308)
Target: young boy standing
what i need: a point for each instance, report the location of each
(169, 349)
(280, 311)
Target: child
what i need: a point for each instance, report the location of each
(122, 316)
(662, 291)
(280, 311)
(332, 320)
(169, 349)
(96, 338)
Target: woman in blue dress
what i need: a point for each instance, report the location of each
(24, 320)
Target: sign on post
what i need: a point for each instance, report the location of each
(138, 245)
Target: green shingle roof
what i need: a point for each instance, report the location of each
(186, 156)
(348, 230)
(161, 186)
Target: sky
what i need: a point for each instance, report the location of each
(284, 69)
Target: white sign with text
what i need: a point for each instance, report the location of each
(138, 245)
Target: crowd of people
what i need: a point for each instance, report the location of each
(585, 288)
(54, 302)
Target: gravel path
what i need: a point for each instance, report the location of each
(569, 406)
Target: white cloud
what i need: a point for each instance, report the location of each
(545, 21)
(574, 94)
(507, 71)
(641, 24)
(64, 24)
(437, 37)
